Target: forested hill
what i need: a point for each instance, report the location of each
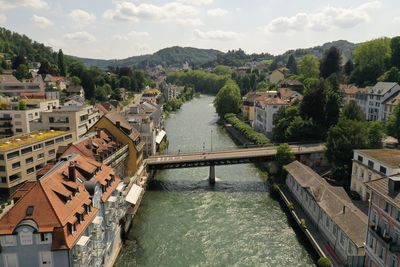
(171, 57)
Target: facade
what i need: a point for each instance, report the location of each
(248, 103)
(372, 99)
(118, 127)
(289, 95)
(22, 156)
(55, 82)
(75, 90)
(341, 224)
(372, 164)
(14, 121)
(349, 92)
(390, 105)
(68, 118)
(383, 231)
(265, 110)
(70, 217)
(9, 85)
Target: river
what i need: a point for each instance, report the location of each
(183, 221)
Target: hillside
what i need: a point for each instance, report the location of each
(172, 57)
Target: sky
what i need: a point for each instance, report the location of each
(110, 29)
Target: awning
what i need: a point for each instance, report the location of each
(83, 240)
(120, 187)
(134, 194)
(160, 136)
(98, 220)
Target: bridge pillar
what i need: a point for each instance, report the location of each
(211, 177)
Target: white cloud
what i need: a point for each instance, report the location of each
(325, 19)
(81, 16)
(81, 36)
(196, 2)
(10, 4)
(217, 12)
(130, 11)
(217, 35)
(191, 22)
(3, 18)
(131, 35)
(41, 22)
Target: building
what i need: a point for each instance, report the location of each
(276, 76)
(383, 231)
(10, 86)
(55, 82)
(102, 147)
(265, 110)
(74, 101)
(118, 127)
(349, 93)
(248, 105)
(390, 104)
(75, 90)
(70, 217)
(293, 84)
(68, 118)
(15, 121)
(22, 156)
(372, 99)
(289, 95)
(340, 223)
(372, 164)
(172, 91)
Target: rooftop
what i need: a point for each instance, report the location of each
(388, 157)
(381, 88)
(381, 186)
(26, 139)
(333, 200)
(349, 89)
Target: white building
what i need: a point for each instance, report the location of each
(341, 224)
(264, 111)
(372, 164)
(372, 99)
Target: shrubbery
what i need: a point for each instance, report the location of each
(246, 130)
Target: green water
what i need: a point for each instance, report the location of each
(183, 221)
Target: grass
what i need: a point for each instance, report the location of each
(21, 140)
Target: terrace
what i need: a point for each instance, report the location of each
(22, 140)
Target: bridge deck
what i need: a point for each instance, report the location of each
(227, 156)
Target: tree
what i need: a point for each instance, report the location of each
(116, 95)
(395, 46)
(324, 262)
(88, 84)
(21, 105)
(60, 63)
(140, 79)
(75, 81)
(353, 111)
(228, 99)
(292, 64)
(273, 66)
(392, 75)
(284, 156)
(309, 66)
(125, 82)
(393, 123)
(22, 72)
(348, 67)
(223, 70)
(333, 103)
(372, 60)
(45, 67)
(18, 60)
(262, 86)
(375, 134)
(313, 104)
(331, 63)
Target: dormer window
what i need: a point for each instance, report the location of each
(71, 228)
(79, 217)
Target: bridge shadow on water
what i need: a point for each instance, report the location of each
(204, 186)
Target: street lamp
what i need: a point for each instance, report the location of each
(211, 139)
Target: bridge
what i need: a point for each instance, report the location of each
(225, 157)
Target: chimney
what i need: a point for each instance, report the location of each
(72, 171)
(98, 133)
(394, 185)
(344, 209)
(118, 124)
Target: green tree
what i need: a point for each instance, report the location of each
(125, 82)
(395, 46)
(372, 60)
(313, 104)
(292, 64)
(393, 123)
(392, 75)
(223, 70)
(21, 105)
(88, 84)
(61, 64)
(348, 67)
(228, 99)
(332, 106)
(262, 86)
(75, 81)
(18, 60)
(324, 262)
(353, 111)
(45, 67)
(309, 66)
(284, 156)
(375, 134)
(22, 72)
(331, 63)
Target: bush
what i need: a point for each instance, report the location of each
(324, 262)
(303, 223)
(246, 130)
(290, 206)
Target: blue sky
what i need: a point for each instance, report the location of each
(121, 28)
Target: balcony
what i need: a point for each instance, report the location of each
(5, 119)
(6, 125)
(377, 231)
(394, 247)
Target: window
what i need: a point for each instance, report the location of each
(45, 238)
(18, 130)
(393, 261)
(335, 229)
(381, 252)
(370, 164)
(342, 239)
(327, 222)
(51, 119)
(382, 170)
(49, 143)
(37, 146)
(1, 157)
(59, 139)
(40, 156)
(29, 160)
(45, 259)
(67, 137)
(16, 165)
(25, 237)
(13, 155)
(11, 260)
(18, 123)
(30, 170)
(26, 150)
(52, 152)
(359, 158)
(369, 176)
(8, 240)
(71, 228)
(386, 206)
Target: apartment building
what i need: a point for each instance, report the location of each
(383, 231)
(390, 104)
(372, 164)
(15, 121)
(21, 156)
(372, 99)
(265, 110)
(102, 147)
(340, 223)
(10, 86)
(70, 217)
(68, 118)
(348, 92)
